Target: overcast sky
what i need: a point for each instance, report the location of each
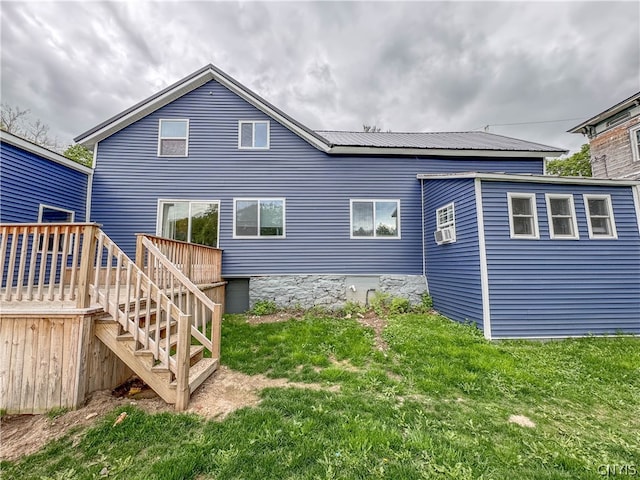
(419, 66)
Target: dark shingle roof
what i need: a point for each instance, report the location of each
(433, 140)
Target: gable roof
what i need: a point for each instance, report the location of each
(331, 142)
(40, 151)
(609, 112)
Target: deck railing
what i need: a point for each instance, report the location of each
(181, 269)
(40, 262)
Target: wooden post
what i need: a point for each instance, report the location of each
(182, 362)
(216, 337)
(139, 251)
(188, 260)
(87, 262)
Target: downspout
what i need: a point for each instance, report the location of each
(424, 247)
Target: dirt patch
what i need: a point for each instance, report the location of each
(274, 318)
(522, 421)
(370, 319)
(221, 394)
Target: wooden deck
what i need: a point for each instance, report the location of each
(76, 310)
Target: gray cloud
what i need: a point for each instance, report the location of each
(403, 66)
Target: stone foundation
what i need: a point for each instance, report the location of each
(329, 291)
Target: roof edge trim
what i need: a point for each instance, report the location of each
(506, 177)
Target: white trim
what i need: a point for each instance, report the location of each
(87, 204)
(160, 137)
(564, 337)
(253, 134)
(484, 271)
(508, 177)
(636, 203)
(43, 152)
(374, 236)
(258, 236)
(161, 201)
(635, 146)
(574, 221)
(449, 152)
(612, 222)
(533, 202)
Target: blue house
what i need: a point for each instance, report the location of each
(304, 217)
(531, 256)
(39, 185)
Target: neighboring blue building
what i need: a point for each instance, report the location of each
(39, 185)
(530, 256)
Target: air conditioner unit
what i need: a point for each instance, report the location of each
(445, 235)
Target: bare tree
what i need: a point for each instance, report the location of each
(370, 128)
(15, 120)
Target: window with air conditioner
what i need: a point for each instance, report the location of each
(445, 224)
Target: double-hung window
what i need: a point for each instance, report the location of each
(173, 138)
(562, 217)
(523, 216)
(190, 221)
(375, 219)
(259, 218)
(253, 135)
(445, 217)
(600, 216)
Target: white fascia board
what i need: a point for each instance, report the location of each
(43, 152)
(442, 152)
(505, 177)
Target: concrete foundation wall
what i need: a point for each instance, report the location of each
(331, 291)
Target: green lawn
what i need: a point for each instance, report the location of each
(436, 404)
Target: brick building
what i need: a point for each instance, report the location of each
(614, 138)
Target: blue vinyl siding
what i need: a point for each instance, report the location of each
(27, 180)
(453, 270)
(130, 178)
(547, 288)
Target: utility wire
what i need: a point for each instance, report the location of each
(486, 127)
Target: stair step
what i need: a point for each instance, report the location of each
(195, 355)
(199, 373)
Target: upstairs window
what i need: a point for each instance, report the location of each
(190, 221)
(255, 218)
(523, 216)
(600, 216)
(634, 133)
(445, 216)
(173, 138)
(562, 217)
(253, 135)
(375, 219)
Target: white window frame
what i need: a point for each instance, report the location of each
(374, 236)
(50, 247)
(612, 222)
(162, 201)
(450, 223)
(58, 209)
(574, 220)
(253, 134)
(160, 137)
(258, 236)
(532, 199)
(635, 147)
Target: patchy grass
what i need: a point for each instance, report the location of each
(436, 404)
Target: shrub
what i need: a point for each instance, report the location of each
(264, 307)
(380, 303)
(400, 305)
(353, 308)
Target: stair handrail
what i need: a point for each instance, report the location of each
(212, 344)
(145, 289)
